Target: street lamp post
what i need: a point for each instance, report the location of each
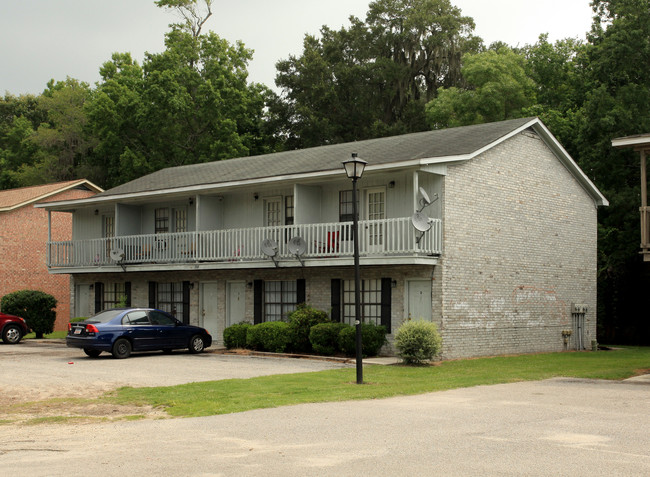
(354, 169)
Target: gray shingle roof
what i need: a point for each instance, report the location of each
(450, 142)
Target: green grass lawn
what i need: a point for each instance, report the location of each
(236, 395)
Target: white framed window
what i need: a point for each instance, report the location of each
(288, 210)
(114, 295)
(169, 298)
(370, 301)
(280, 298)
(161, 225)
(166, 220)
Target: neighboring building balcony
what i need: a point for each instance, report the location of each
(323, 244)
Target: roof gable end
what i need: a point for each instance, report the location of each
(11, 199)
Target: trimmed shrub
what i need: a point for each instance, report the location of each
(35, 306)
(234, 336)
(373, 337)
(270, 336)
(300, 322)
(324, 337)
(418, 341)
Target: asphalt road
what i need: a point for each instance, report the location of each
(554, 427)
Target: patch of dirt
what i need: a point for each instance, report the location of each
(78, 409)
(642, 372)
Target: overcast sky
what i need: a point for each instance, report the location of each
(44, 39)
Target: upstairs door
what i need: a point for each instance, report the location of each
(273, 216)
(108, 232)
(375, 211)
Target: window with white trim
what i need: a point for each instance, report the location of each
(288, 210)
(161, 220)
(114, 295)
(370, 301)
(279, 299)
(169, 298)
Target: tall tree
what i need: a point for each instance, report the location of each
(497, 89)
(617, 103)
(62, 141)
(421, 42)
(373, 78)
(558, 72)
(115, 114)
(190, 103)
(19, 118)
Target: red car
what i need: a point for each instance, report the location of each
(13, 328)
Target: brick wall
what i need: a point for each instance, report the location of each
(23, 238)
(520, 247)
(317, 287)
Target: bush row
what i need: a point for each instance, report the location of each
(307, 330)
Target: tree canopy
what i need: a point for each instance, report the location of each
(498, 88)
(373, 78)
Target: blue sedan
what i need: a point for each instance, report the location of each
(121, 331)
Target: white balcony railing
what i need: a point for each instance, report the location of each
(388, 237)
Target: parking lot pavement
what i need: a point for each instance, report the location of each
(33, 370)
(554, 427)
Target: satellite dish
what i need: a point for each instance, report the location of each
(270, 249)
(117, 254)
(425, 200)
(298, 247)
(422, 223)
(425, 196)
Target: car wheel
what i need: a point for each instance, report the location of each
(196, 344)
(93, 353)
(11, 334)
(122, 349)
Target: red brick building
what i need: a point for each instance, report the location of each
(24, 235)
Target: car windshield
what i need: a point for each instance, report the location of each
(104, 316)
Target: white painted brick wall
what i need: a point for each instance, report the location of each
(520, 247)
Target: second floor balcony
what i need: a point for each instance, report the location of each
(323, 244)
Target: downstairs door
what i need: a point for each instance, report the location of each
(209, 312)
(419, 299)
